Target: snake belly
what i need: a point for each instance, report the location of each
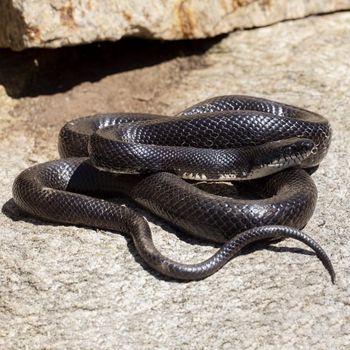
(262, 144)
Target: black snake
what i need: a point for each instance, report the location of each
(266, 143)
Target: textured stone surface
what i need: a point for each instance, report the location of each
(54, 23)
(68, 287)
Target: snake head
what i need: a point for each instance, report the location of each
(275, 156)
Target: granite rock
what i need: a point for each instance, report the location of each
(55, 23)
(72, 287)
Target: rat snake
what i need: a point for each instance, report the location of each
(265, 146)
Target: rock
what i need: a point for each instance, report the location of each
(56, 23)
(71, 287)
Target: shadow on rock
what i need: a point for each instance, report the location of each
(36, 72)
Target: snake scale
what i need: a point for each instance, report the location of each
(257, 145)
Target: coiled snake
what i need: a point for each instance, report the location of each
(266, 143)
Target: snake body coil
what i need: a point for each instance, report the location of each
(263, 142)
